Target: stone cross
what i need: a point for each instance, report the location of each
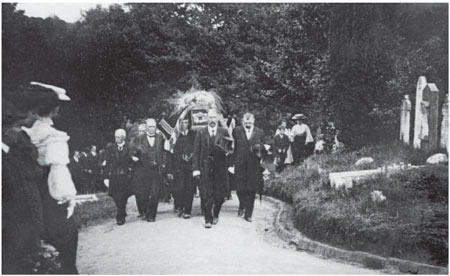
(444, 125)
(430, 109)
(421, 84)
(405, 116)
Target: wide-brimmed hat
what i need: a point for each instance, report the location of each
(61, 92)
(298, 117)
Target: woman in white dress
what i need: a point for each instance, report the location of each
(301, 137)
(58, 196)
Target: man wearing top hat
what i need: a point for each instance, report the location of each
(302, 136)
(247, 158)
(209, 164)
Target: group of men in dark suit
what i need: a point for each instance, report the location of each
(139, 167)
(86, 169)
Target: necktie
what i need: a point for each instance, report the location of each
(120, 148)
(213, 133)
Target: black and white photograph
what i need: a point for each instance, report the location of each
(225, 138)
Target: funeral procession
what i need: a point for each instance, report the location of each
(224, 138)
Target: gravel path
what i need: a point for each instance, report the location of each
(173, 245)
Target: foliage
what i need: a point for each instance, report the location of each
(342, 63)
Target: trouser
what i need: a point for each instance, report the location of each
(298, 148)
(246, 202)
(213, 200)
(60, 232)
(183, 195)
(147, 199)
(165, 191)
(213, 205)
(120, 190)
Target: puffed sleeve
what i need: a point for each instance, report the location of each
(60, 184)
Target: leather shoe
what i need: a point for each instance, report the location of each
(150, 219)
(215, 220)
(208, 225)
(120, 221)
(179, 213)
(186, 216)
(248, 219)
(240, 213)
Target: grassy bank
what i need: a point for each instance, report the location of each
(95, 212)
(412, 223)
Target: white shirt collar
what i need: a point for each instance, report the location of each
(5, 147)
(121, 144)
(210, 129)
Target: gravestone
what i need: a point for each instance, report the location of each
(430, 110)
(418, 120)
(444, 125)
(405, 118)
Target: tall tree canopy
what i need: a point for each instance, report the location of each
(347, 63)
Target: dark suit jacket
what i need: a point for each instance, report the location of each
(140, 148)
(280, 143)
(217, 187)
(183, 144)
(246, 163)
(118, 169)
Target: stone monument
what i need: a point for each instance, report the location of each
(430, 110)
(444, 125)
(418, 120)
(405, 117)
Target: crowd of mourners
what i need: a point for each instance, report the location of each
(40, 180)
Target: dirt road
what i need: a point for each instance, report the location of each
(173, 245)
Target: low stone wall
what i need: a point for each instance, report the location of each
(285, 229)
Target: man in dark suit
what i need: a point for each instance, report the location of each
(118, 173)
(182, 168)
(151, 163)
(76, 168)
(210, 165)
(247, 158)
(93, 170)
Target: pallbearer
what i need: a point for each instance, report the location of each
(182, 167)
